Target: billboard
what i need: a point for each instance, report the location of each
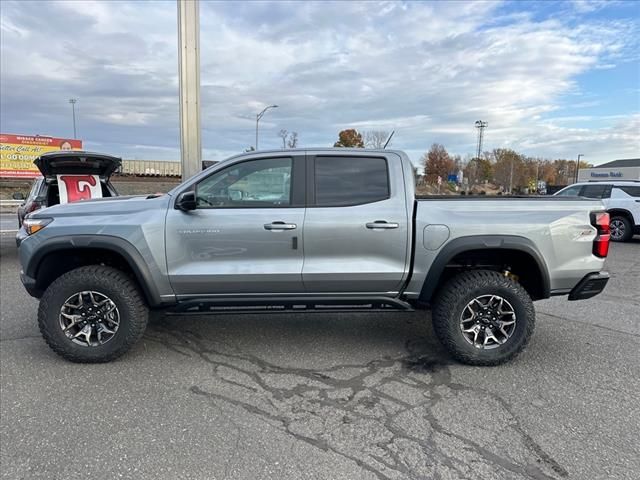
(17, 153)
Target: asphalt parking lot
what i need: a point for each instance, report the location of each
(327, 396)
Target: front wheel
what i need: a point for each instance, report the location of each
(92, 314)
(483, 317)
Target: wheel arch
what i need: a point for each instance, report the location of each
(621, 212)
(503, 249)
(62, 254)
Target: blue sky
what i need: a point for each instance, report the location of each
(553, 79)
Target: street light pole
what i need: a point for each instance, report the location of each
(73, 101)
(258, 117)
(578, 166)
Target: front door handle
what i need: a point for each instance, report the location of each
(382, 224)
(280, 226)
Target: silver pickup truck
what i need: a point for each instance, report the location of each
(301, 230)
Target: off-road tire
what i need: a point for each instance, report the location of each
(458, 292)
(628, 229)
(119, 287)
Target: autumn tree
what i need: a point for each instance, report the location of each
(375, 138)
(509, 169)
(349, 138)
(478, 170)
(437, 163)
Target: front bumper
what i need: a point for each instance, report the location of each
(590, 286)
(20, 236)
(30, 285)
(28, 282)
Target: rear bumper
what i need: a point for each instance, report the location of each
(590, 286)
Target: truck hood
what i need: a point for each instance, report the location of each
(77, 163)
(125, 205)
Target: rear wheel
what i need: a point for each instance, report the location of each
(483, 317)
(621, 229)
(92, 314)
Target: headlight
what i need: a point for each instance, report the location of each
(33, 225)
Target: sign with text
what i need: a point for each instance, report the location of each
(17, 153)
(73, 188)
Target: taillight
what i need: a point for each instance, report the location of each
(33, 206)
(600, 220)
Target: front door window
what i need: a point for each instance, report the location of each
(253, 184)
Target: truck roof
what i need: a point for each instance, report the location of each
(317, 149)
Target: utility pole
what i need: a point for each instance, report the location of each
(511, 178)
(578, 166)
(480, 125)
(73, 102)
(189, 72)
(258, 117)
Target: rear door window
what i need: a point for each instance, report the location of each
(596, 191)
(344, 181)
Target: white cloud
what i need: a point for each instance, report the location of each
(427, 70)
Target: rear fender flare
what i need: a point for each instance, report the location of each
(478, 242)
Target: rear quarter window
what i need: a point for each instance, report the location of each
(630, 190)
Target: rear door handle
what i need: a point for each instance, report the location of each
(280, 226)
(382, 224)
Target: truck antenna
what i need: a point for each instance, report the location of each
(388, 139)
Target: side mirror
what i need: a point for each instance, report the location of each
(186, 201)
(17, 196)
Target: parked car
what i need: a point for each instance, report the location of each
(45, 192)
(325, 229)
(621, 199)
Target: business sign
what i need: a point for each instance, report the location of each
(17, 153)
(606, 174)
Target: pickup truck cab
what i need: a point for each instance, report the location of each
(299, 230)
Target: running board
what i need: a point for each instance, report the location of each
(203, 306)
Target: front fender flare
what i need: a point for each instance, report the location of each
(118, 245)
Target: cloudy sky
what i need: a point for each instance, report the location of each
(552, 79)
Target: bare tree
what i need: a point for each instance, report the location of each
(375, 138)
(293, 140)
(283, 135)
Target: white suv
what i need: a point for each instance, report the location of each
(621, 199)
